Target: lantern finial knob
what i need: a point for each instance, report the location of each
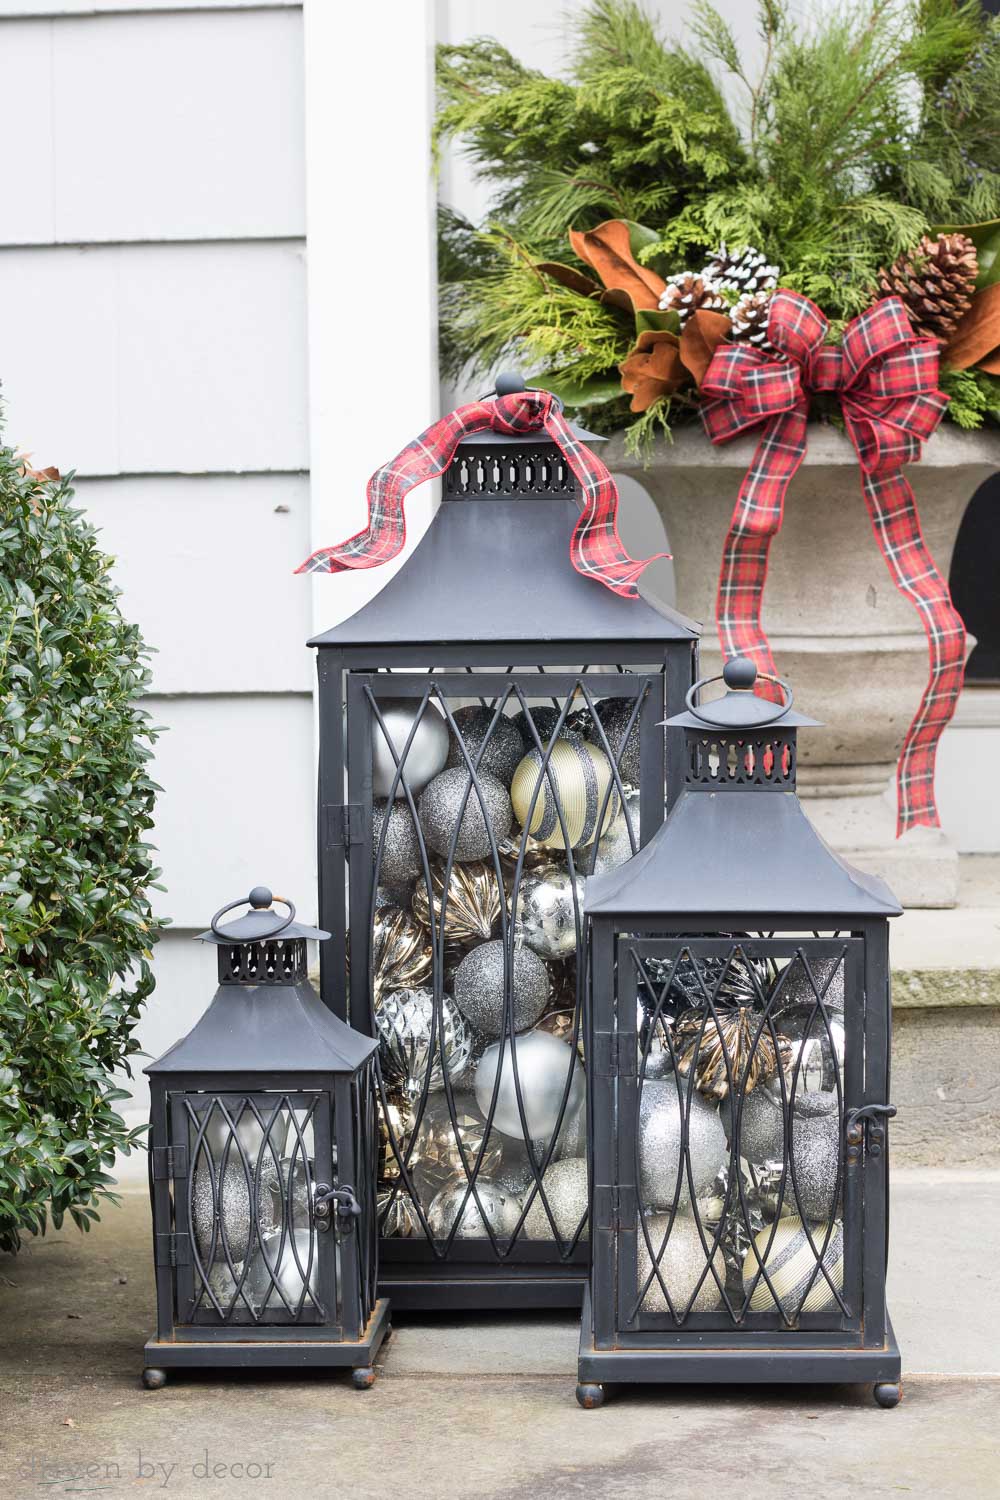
(739, 673)
(509, 383)
(260, 898)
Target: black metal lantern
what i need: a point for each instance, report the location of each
(489, 733)
(262, 1169)
(740, 1028)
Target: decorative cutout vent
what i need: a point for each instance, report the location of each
(723, 760)
(263, 963)
(485, 474)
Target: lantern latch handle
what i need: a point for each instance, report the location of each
(347, 1205)
(864, 1126)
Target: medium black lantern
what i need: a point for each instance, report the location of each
(739, 1033)
(262, 1169)
(489, 734)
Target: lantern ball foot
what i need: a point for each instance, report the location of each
(154, 1380)
(887, 1394)
(363, 1378)
(590, 1396)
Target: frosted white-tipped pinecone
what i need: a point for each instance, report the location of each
(741, 271)
(749, 319)
(687, 293)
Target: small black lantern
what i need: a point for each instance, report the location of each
(485, 721)
(740, 1026)
(262, 1169)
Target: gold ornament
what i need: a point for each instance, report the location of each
(395, 1126)
(441, 1149)
(730, 1037)
(534, 854)
(401, 955)
(472, 907)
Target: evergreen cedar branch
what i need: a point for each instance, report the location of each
(860, 132)
(76, 801)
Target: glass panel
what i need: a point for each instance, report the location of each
(496, 796)
(738, 1142)
(248, 1196)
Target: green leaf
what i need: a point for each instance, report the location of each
(653, 318)
(582, 393)
(639, 236)
(986, 238)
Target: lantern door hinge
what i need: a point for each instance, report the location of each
(169, 1163)
(173, 1249)
(344, 823)
(865, 1127)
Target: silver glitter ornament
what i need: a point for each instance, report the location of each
(614, 715)
(493, 747)
(427, 752)
(229, 1207)
(681, 1263)
(480, 982)
(515, 1177)
(545, 718)
(547, 911)
(411, 1042)
(815, 1157)
(473, 1209)
(660, 1161)
(762, 1124)
(783, 1249)
(797, 992)
(400, 860)
(616, 846)
(565, 1189)
(440, 809)
(543, 1067)
(295, 1277)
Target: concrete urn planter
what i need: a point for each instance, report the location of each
(849, 643)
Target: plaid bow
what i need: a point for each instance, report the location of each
(596, 549)
(886, 380)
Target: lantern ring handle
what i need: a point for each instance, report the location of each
(779, 709)
(250, 900)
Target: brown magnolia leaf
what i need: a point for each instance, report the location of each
(653, 368)
(991, 364)
(977, 336)
(608, 250)
(701, 335)
(568, 277)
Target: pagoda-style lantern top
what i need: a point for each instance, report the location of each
(737, 840)
(493, 567)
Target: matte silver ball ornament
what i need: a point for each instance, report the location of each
(441, 813)
(473, 1210)
(480, 984)
(661, 1113)
(411, 1043)
(547, 905)
(681, 1263)
(493, 747)
(294, 1273)
(544, 1065)
(427, 752)
(566, 1191)
(398, 859)
(615, 847)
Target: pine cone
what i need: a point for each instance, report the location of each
(741, 271)
(749, 318)
(688, 293)
(936, 282)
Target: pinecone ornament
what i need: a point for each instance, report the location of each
(688, 293)
(742, 271)
(936, 282)
(749, 318)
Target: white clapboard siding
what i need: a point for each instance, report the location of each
(205, 144)
(237, 806)
(206, 567)
(157, 358)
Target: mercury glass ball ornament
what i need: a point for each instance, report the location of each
(547, 911)
(480, 982)
(230, 1206)
(661, 1112)
(543, 1067)
(576, 783)
(428, 749)
(494, 747)
(411, 1043)
(457, 1201)
(443, 820)
(294, 1276)
(614, 715)
(790, 1262)
(681, 1265)
(615, 847)
(397, 1215)
(565, 1189)
(399, 860)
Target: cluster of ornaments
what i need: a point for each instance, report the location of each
(486, 825)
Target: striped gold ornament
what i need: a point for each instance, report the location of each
(790, 1263)
(580, 774)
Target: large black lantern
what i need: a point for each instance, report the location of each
(490, 732)
(262, 1169)
(739, 1038)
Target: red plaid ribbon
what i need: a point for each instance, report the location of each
(886, 379)
(596, 550)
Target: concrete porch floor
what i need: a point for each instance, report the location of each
(484, 1406)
